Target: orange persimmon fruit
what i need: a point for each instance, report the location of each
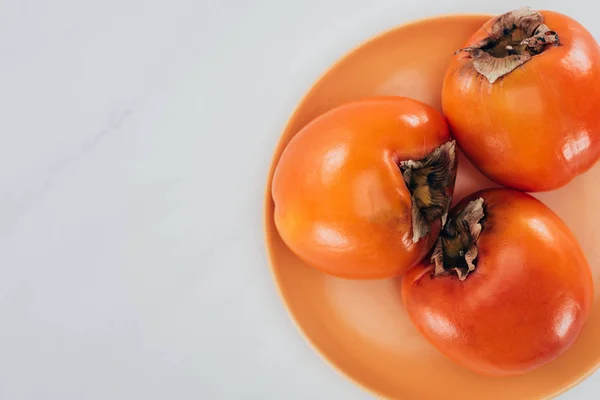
(363, 190)
(507, 288)
(522, 99)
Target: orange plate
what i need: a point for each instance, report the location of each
(360, 327)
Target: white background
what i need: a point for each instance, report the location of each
(136, 138)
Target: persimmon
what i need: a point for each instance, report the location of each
(363, 190)
(522, 99)
(507, 288)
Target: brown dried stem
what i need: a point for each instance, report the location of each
(514, 38)
(428, 181)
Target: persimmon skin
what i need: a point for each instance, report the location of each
(341, 203)
(523, 305)
(537, 127)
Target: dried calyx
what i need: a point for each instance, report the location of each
(456, 250)
(429, 182)
(513, 39)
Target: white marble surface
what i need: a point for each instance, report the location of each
(136, 137)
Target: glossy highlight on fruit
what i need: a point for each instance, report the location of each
(363, 191)
(507, 289)
(522, 99)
